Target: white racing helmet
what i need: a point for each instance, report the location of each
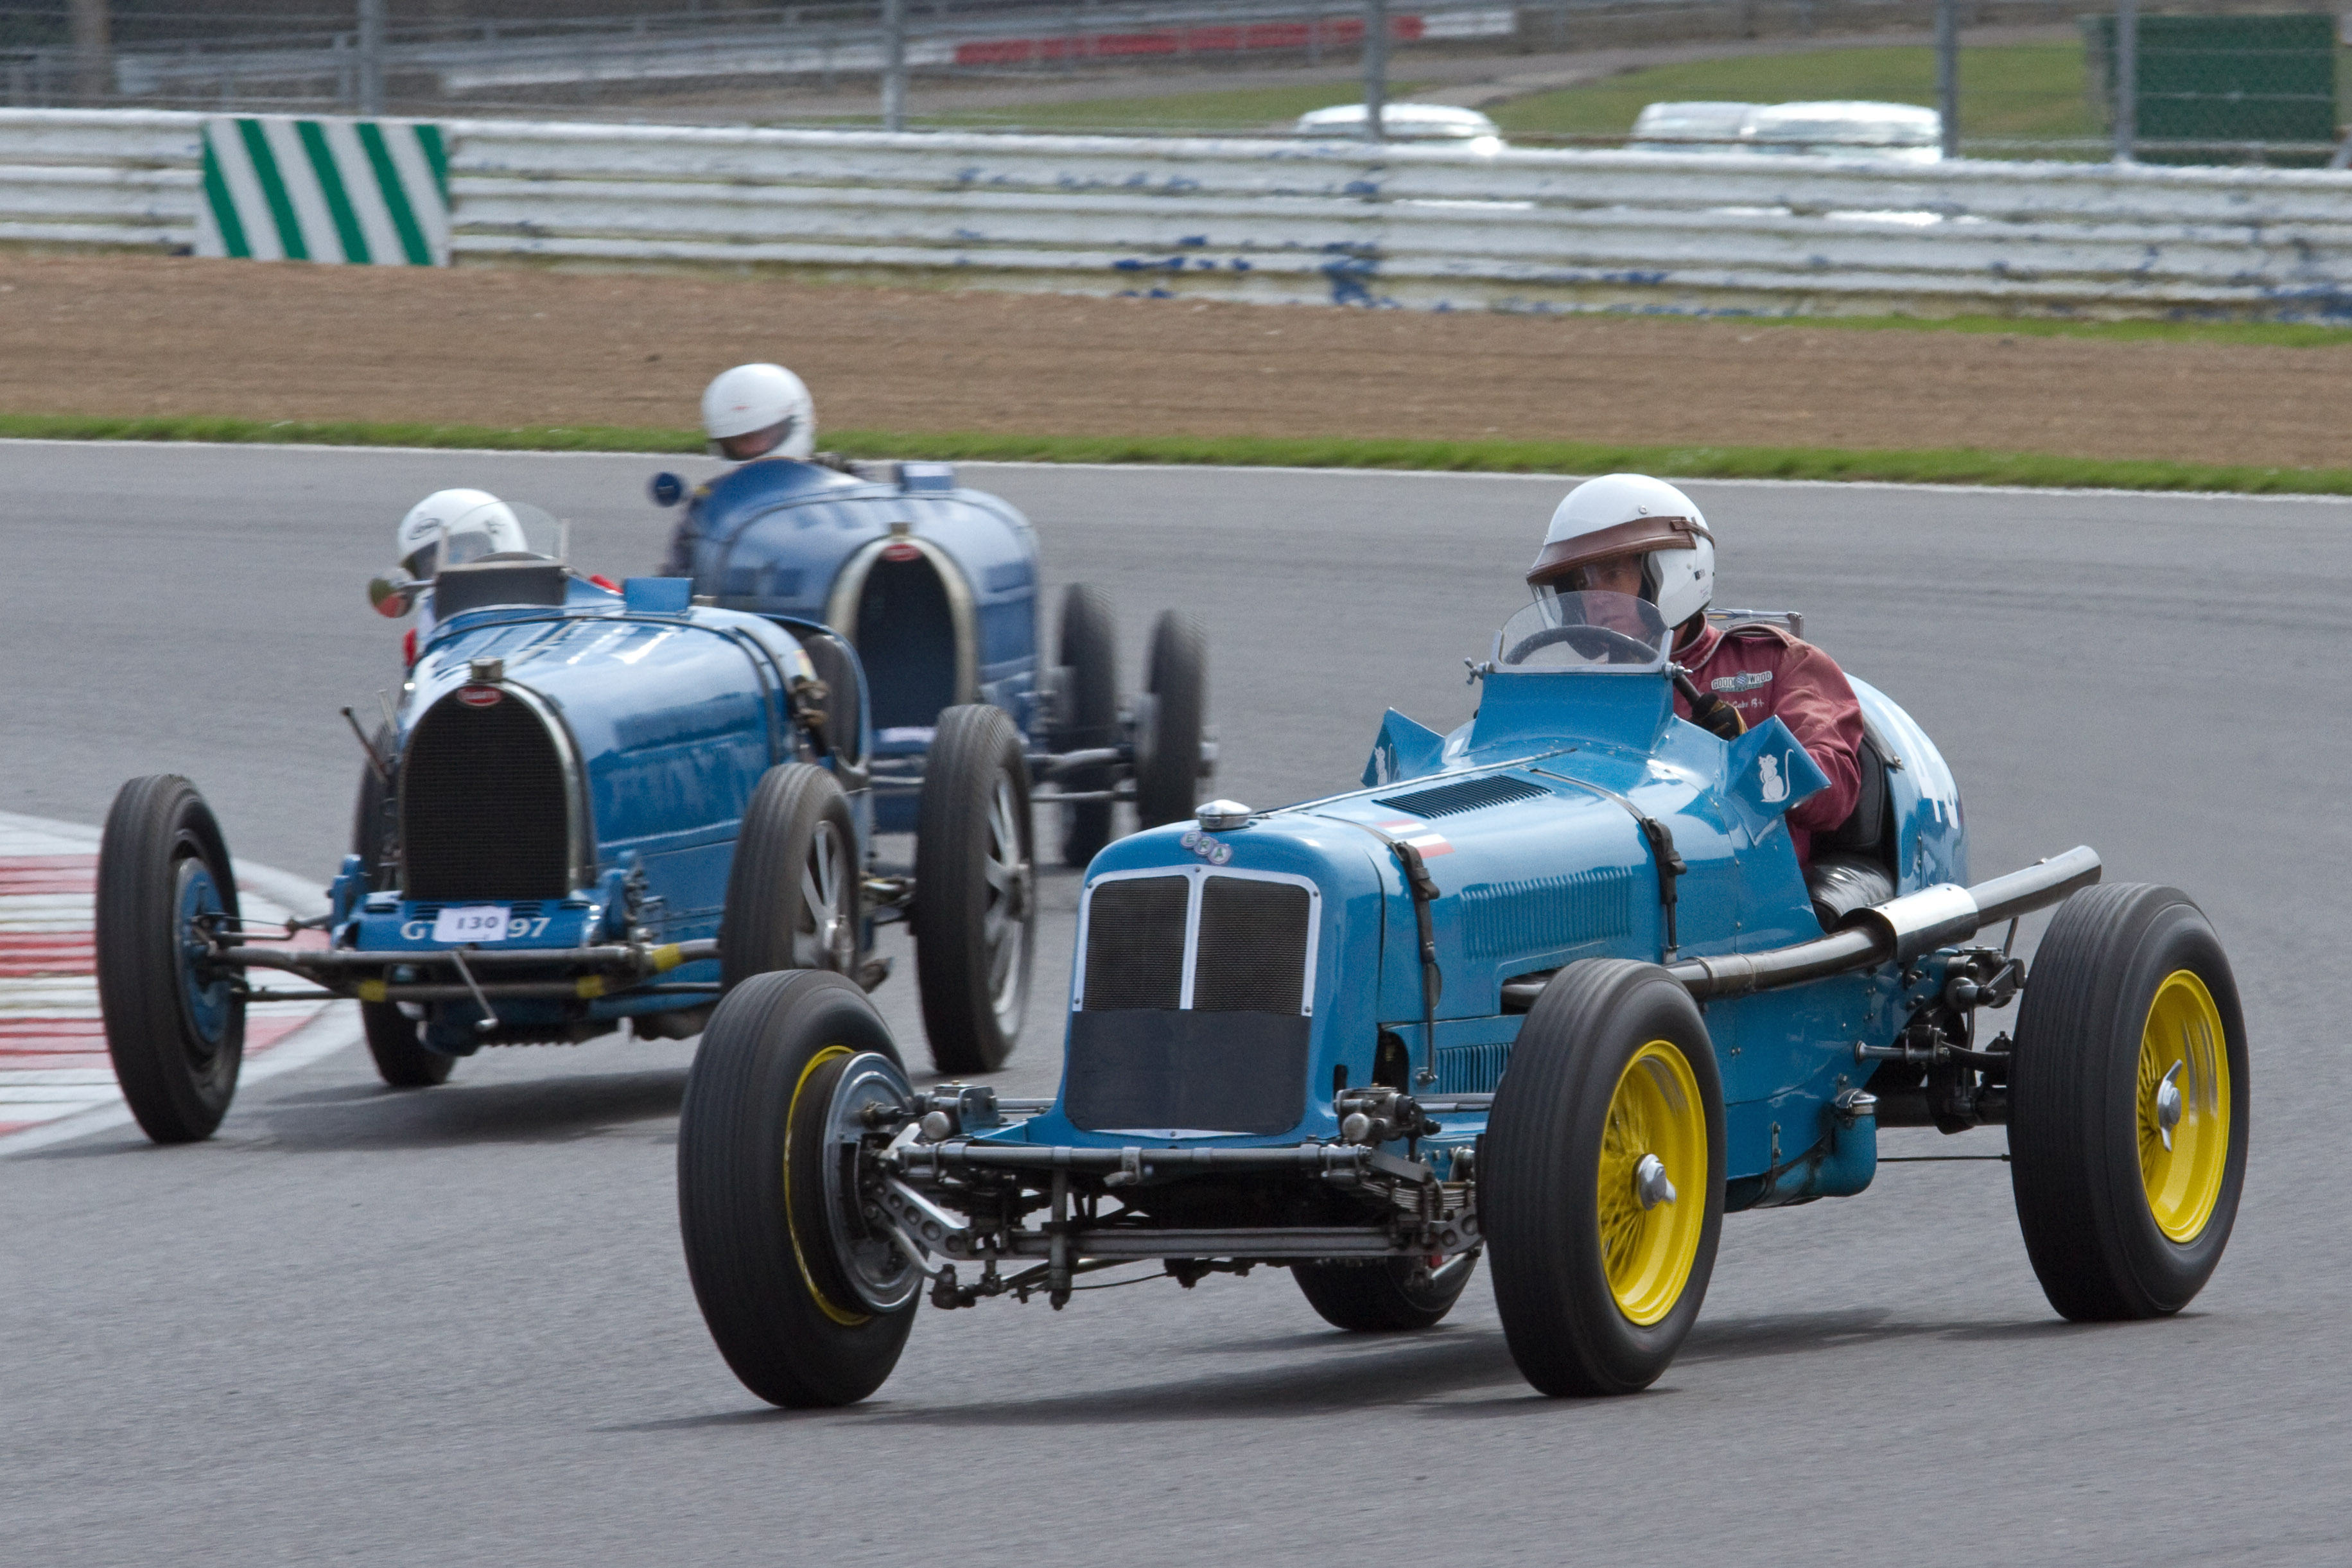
(1624, 514)
(451, 526)
(754, 400)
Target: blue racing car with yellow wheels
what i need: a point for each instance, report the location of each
(590, 807)
(1551, 988)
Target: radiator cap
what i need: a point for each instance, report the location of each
(1223, 815)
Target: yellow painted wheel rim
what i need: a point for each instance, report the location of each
(2183, 1038)
(846, 1318)
(1647, 1252)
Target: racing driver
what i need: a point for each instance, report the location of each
(1629, 533)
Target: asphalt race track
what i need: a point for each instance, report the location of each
(453, 1326)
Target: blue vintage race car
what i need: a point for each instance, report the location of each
(589, 806)
(936, 586)
(1551, 986)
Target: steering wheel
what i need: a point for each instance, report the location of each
(1593, 642)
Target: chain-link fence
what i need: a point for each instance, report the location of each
(2221, 81)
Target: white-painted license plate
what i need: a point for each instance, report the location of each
(471, 923)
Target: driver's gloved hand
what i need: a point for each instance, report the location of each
(1712, 714)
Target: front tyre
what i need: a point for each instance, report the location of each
(1167, 764)
(1601, 1179)
(174, 1027)
(1390, 1295)
(975, 890)
(1088, 718)
(396, 1041)
(809, 1307)
(2128, 1096)
(792, 890)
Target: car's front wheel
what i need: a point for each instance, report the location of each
(1601, 1179)
(975, 890)
(1387, 1295)
(793, 891)
(2128, 1104)
(396, 1042)
(809, 1305)
(175, 1026)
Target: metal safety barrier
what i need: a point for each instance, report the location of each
(1415, 225)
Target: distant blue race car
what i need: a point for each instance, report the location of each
(589, 806)
(936, 586)
(1553, 985)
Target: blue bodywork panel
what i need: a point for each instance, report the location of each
(936, 586)
(1528, 819)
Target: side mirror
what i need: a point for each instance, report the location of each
(667, 490)
(394, 594)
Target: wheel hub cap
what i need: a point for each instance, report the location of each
(1650, 1183)
(2168, 1103)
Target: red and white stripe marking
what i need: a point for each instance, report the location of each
(56, 1078)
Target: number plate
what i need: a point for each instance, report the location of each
(471, 923)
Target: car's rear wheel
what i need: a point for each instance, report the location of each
(808, 1305)
(174, 1027)
(792, 892)
(2128, 1104)
(1601, 1179)
(1087, 694)
(1174, 719)
(1385, 1296)
(375, 818)
(975, 890)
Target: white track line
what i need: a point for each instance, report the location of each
(79, 1097)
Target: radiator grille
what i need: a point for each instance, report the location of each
(482, 806)
(1470, 794)
(1135, 943)
(1252, 954)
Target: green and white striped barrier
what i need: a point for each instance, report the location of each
(368, 191)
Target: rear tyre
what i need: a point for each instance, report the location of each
(1388, 1295)
(1167, 767)
(1089, 715)
(2128, 1104)
(1601, 1179)
(793, 891)
(808, 1306)
(975, 889)
(175, 1029)
(374, 820)
(396, 1041)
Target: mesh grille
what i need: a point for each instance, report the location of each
(1470, 794)
(1135, 943)
(482, 809)
(1252, 948)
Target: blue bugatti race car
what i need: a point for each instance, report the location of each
(1553, 988)
(936, 586)
(589, 806)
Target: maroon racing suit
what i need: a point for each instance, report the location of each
(1765, 673)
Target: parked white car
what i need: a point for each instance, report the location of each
(1893, 132)
(1407, 122)
(1695, 126)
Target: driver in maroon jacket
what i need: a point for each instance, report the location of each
(1629, 533)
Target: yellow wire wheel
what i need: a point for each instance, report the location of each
(1653, 1182)
(2182, 1101)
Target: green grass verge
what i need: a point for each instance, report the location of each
(1947, 467)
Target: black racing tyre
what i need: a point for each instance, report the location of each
(975, 889)
(1168, 761)
(176, 1033)
(793, 891)
(375, 820)
(786, 1275)
(1601, 1179)
(1386, 1295)
(1089, 715)
(2128, 1104)
(396, 1041)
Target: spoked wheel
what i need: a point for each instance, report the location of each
(1173, 718)
(2128, 1109)
(793, 891)
(808, 1306)
(174, 1027)
(975, 890)
(1601, 1179)
(1385, 1296)
(1088, 695)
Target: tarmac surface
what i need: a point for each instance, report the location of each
(455, 1326)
